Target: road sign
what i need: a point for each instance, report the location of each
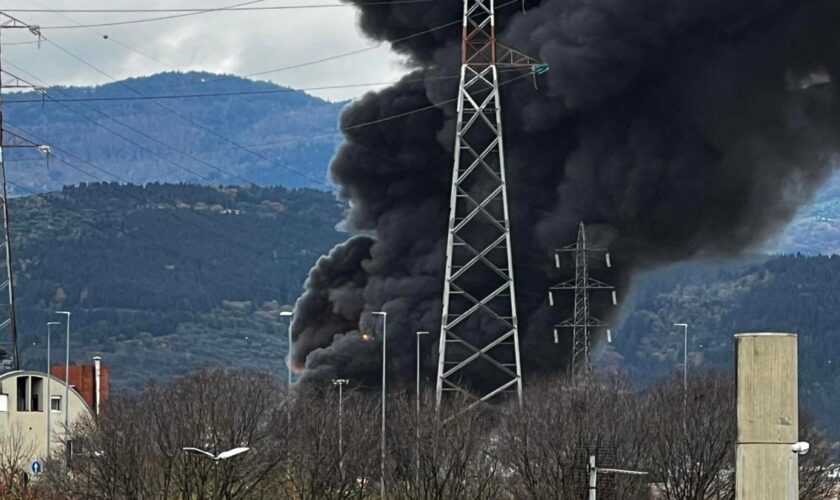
(36, 467)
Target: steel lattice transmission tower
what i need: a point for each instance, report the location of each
(479, 334)
(8, 140)
(582, 323)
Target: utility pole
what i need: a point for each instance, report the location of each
(382, 436)
(479, 322)
(684, 326)
(582, 322)
(11, 140)
(341, 382)
(418, 335)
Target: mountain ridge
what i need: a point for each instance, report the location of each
(247, 132)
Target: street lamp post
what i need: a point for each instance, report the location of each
(66, 408)
(417, 414)
(49, 388)
(685, 357)
(289, 314)
(384, 379)
(341, 382)
(799, 448)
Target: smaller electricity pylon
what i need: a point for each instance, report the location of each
(9, 356)
(582, 323)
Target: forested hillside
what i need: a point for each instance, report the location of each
(166, 277)
(817, 228)
(790, 294)
(222, 129)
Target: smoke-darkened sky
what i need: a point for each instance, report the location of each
(672, 128)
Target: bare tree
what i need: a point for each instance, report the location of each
(815, 468)
(320, 468)
(692, 437)
(16, 450)
(304, 445)
(443, 454)
(216, 411)
(545, 444)
(135, 448)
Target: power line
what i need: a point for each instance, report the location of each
(183, 117)
(292, 66)
(432, 106)
(236, 144)
(221, 236)
(58, 158)
(218, 9)
(166, 145)
(302, 64)
(227, 94)
(130, 141)
(173, 16)
(281, 68)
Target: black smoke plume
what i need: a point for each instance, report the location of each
(672, 128)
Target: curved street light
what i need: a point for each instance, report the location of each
(221, 456)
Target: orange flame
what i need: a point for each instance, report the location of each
(298, 366)
(366, 337)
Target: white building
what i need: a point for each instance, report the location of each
(31, 403)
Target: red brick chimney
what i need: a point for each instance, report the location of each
(83, 380)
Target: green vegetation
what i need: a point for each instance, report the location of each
(166, 277)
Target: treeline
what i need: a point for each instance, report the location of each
(311, 445)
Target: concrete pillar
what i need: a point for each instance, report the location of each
(768, 422)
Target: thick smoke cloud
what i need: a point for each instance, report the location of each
(673, 128)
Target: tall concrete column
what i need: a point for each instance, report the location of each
(768, 422)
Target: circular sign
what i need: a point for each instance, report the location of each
(36, 467)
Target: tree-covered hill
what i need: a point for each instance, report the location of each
(795, 293)
(166, 277)
(222, 129)
(817, 228)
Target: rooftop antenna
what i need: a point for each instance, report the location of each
(479, 323)
(9, 139)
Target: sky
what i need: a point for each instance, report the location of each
(241, 43)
